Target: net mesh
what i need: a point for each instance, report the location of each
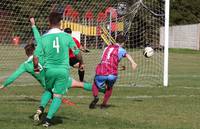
(138, 20)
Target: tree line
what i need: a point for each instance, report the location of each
(184, 12)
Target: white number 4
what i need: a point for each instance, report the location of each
(56, 44)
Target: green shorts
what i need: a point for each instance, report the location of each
(69, 83)
(56, 80)
(41, 78)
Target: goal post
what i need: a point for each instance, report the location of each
(138, 20)
(166, 48)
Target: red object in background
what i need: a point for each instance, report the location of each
(16, 40)
(75, 15)
(68, 10)
(98, 30)
(68, 102)
(113, 26)
(89, 15)
(111, 9)
(101, 17)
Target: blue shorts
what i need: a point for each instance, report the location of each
(102, 80)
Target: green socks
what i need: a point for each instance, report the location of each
(46, 96)
(54, 107)
(87, 86)
(102, 90)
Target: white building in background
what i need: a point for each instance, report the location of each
(183, 36)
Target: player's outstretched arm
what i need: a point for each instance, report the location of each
(36, 33)
(13, 76)
(133, 64)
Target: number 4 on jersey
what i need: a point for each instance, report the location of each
(56, 44)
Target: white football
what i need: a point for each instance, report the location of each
(148, 52)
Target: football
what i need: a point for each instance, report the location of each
(148, 52)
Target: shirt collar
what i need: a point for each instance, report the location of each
(53, 31)
(29, 59)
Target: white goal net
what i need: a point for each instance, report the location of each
(95, 20)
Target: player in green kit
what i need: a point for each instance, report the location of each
(53, 47)
(27, 67)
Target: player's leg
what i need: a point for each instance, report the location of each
(74, 62)
(95, 92)
(61, 76)
(85, 85)
(99, 82)
(111, 79)
(81, 73)
(72, 83)
(107, 95)
(46, 96)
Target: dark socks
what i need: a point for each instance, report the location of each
(81, 75)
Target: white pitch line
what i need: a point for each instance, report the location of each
(113, 97)
(118, 85)
(192, 88)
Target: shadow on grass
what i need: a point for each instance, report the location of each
(137, 100)
(55, 120)
(25, 99)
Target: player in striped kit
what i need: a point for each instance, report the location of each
(107, 70)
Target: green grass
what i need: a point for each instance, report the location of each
(173, 107)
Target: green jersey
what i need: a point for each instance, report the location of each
(54, 47)
(27, 66)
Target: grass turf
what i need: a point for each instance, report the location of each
(174, 107)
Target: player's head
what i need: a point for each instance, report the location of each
(54, 19)
(121, 39)
(68, 30)
(29, 49)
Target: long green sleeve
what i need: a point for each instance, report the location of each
(36, 34)
(38, 51)
(14, 75)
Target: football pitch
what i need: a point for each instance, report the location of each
(173, 107)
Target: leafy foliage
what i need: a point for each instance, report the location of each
(184, 12)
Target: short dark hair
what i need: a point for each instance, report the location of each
(120, 39)
(68, 30)
(29, 49)
(55, 18)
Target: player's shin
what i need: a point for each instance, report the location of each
(107, 95)
(81, 75)
(95, 92)
(45, 98)
(56, 102)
